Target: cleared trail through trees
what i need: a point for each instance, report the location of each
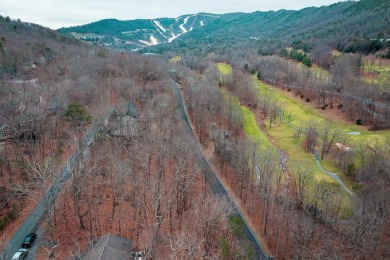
(217, 184)
(38, 213)
(332, 174)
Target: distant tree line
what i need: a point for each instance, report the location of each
(296, 55)
(364, 45)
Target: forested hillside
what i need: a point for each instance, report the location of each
(231, 136)
(137, 34)
(90, 137)
(350, 26)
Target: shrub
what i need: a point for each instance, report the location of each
(351, 170)
(387, 56)
(259, 75)
(284, 53)
(13, 213)
(3, 222)
(357, 186)
(77, 114)
(307, 61)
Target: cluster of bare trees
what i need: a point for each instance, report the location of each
(341, 85)
(344, 88)
(295, 223)
(145, 187)
(149, 189)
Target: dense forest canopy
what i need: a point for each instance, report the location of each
(232, 136)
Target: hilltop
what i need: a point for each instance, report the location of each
(134, 34)
(338, 26)
(229, 136)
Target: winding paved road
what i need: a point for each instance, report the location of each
(216, 183)
(32, 221)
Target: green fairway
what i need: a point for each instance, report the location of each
(377, 73)
(175, 59)
(252, 129)
(224, 68)
(301, 114)
(297, 114)
(283, 137)
(250, 125)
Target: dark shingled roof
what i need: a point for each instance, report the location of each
(110, 247)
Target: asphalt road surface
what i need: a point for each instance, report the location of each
(32, 221)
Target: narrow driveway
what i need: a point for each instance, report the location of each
(31, 222)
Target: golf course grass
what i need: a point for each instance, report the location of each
(301, 114)
(298, 114)
(175, 59)
(224, 68)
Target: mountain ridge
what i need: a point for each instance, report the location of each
(332, 24)
(139, 32)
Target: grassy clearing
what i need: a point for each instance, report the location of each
(336, 53)
(224, 68)
(252, 129)
(175, 59)
(301, 114)
(315, 69)
(377, 72)
(283, 135)
(236, 224)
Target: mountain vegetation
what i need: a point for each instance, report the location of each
(128, 35)
(349, 26)
(230, 136)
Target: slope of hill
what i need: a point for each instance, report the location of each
(336, 24)
(139, 33)
(43, 76)
(327, 24)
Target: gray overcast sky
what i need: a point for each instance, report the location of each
(64, 13)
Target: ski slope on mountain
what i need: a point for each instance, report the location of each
(134, 34)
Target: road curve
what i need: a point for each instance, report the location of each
(32, 221)
(213, 179)
(332, 174)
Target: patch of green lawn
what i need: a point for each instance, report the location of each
(298, 114)
(301, 113)
(315, 69)
(250, 125)
(381, 77)
(175, 59)
(224, 68)
(252, 129)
